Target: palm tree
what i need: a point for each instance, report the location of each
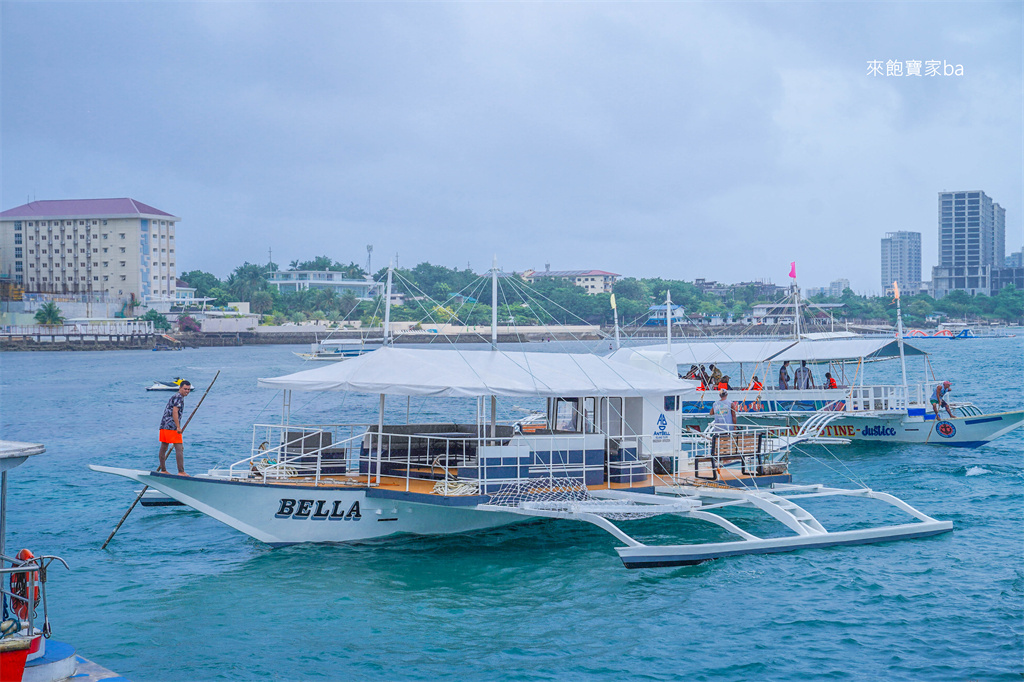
(262, 302)
(49, 313)
(246, 280)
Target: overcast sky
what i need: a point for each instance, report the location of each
(681, 140)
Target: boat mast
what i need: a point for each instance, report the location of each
(494, 337)
(668, 319)
(494, 303)
(387, 307)
(615, 313)
(899, 342)
(796, 307)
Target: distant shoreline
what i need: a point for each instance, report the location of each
(208, 340)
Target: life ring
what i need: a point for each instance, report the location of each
(19, 586)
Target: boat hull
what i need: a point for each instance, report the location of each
(283, 514)
(968, 431)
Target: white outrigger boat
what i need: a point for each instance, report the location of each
(334, 350)
(879, 413)
(612, 449)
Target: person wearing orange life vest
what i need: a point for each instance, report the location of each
(756, 385)
(829, 381)
(723, 384)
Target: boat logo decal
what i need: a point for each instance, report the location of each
(317, 510)
(946, 429)
(661, 434)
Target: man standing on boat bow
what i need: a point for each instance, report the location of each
(170, 429)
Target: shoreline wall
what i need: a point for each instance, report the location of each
(205, 340)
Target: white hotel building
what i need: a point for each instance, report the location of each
(113, 247)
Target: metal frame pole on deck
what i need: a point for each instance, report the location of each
(3, 515)
(380, 436)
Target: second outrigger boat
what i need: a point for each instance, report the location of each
(876, 413)
(611, 450)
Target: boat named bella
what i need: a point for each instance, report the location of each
(610, 448)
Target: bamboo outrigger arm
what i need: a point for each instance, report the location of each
(808, 532)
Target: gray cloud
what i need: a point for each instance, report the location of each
(681, 140)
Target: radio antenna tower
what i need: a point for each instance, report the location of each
(369, 254)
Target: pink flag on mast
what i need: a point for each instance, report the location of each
(792, 269)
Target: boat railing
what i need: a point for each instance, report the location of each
(306, 451)
(463, 461)
(895, 398)
(456, 459)
(33, 574)
(880, 398)
(756, 449)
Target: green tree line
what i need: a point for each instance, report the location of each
(464, 297)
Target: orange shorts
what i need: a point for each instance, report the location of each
(170, 436)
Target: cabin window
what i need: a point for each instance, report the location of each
(566, 413)
(589, 415)
(671, 403)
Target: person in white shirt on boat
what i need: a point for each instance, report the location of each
(724, 412)
(939, 398)
(802, 376)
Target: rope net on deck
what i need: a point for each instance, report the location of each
(567, 495)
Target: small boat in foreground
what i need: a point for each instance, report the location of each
(26, 651)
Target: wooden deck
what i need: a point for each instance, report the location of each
(426, 487)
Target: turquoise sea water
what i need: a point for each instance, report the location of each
(178, 596)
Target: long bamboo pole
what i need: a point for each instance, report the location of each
(146, 487)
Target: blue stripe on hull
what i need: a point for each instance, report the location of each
(983, 421)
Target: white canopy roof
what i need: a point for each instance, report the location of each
(845, 349)
(743, 350)
(689, 353)
(458, 373)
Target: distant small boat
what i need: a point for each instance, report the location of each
(164, 346)
(333, 351)
(165, 385)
